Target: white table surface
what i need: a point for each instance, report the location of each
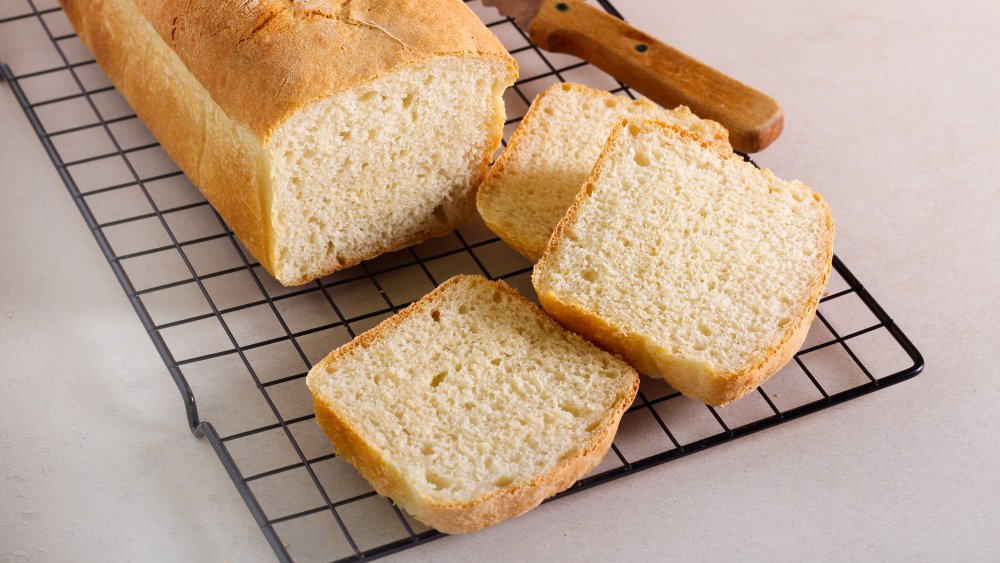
(891, 112)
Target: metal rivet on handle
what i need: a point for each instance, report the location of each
(642, 47)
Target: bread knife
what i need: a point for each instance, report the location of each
(655, 69)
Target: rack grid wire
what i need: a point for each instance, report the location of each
(242, 343)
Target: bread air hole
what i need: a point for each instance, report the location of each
(438, 378)
(504, 481)
(571, 408)
(642, 159)
(437, 482)
(567, 455)
(436, 315)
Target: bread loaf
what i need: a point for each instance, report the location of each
(472, 405)
(691, 263)
(324, 132)
(550, 155)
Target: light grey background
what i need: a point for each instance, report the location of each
(891, 113)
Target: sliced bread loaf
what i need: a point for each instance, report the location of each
(550, 155)
(691, 263)
(324, 132)
(472, 405)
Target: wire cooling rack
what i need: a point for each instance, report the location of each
(240, 342)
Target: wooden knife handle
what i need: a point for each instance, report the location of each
(660, 72)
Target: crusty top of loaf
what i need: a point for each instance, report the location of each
(261, 60)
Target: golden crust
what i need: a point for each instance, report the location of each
(220, 156)
(262, 61)
(528, 247)
(457, 518)
(693, 379)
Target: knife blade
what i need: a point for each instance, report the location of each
(658, 71)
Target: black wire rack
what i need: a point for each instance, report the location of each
(234, 337)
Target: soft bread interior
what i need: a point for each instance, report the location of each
(473, 393)
(552, 153)
(383, 165)
(702, 254)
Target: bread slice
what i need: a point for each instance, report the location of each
(691, 263)
(324, 132)
(471, 406)
(553, 150)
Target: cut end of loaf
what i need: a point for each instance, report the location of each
(472, 405)
(551, 154)
(384, 165)
(693, 264)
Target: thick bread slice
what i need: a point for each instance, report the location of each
(324, 132)
(471, 406)
(553, 150)
(691, 263)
